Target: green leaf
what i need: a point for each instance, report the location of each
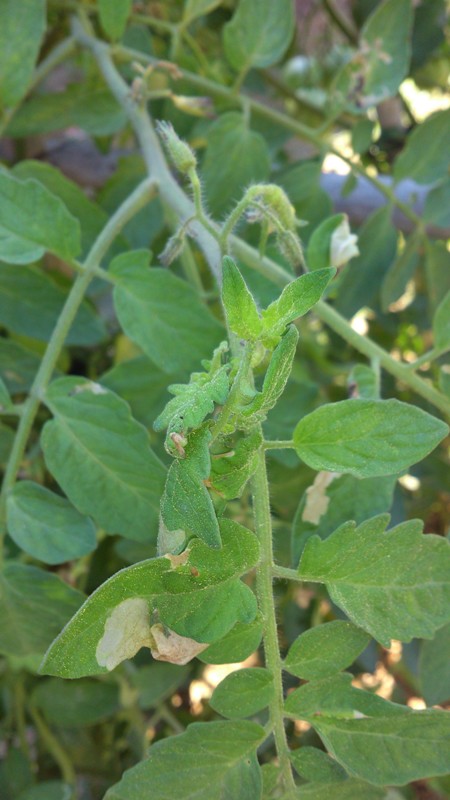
(74, 704)
(162, 314)
(362, 135)
(142, 384)
(367, 437)
(333, 499)
(206, 606)
(235, 157)
(325, 649)
(46, 526)
(318, 253)
(394, 584)
(195, 400)
(230, 473)
(92, 218)
(386, 45)
(157, 682)
(240, 307)
(18, 366)
(437, 205)
(198, 8)
(336, 697)
(237, 645)
(275, 380)
(5, 399)
(31, 302)
(36, 604)
(186, 504)
(391, 750)
(198, 595)
(243, 693)
(441, 323)
(200, 760)
(363, 383)
(19, 47)
(15, 250)
(259, 33)
(434, 667)
(344, 790)
(425, 158)
(295, 300)
(401, 271)
(96, 111)
(48, 790)
(102, 459)
(6, 442)
(113, 16)
(28, 210)
(360, 282)
(316, 766)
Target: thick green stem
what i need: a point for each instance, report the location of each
(264, 589)
(137, 200)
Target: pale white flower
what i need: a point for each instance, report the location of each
(343, 244)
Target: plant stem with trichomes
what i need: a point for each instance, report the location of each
(264, 590)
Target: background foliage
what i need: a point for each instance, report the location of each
(343, 105)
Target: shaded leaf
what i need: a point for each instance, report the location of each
(425, 158)
(102, 459)
(36, 605)
(19, 47)
(434, 667)
(316, 766)
(46, 525)
(237, 645)
(76, 703)
(386, 48)
(31, 302)
(259, 33)
(113, 16)
(235, 157)
(230, 473)
(441, 323)
(162, 314)
(28, 210)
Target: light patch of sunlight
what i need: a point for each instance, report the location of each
(416, 703)
(409, 482)
(423, 102)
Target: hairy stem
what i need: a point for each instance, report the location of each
(137, 200)
(264, 590)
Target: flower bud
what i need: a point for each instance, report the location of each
(173, 248)
(179, 152)
(343, 245)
